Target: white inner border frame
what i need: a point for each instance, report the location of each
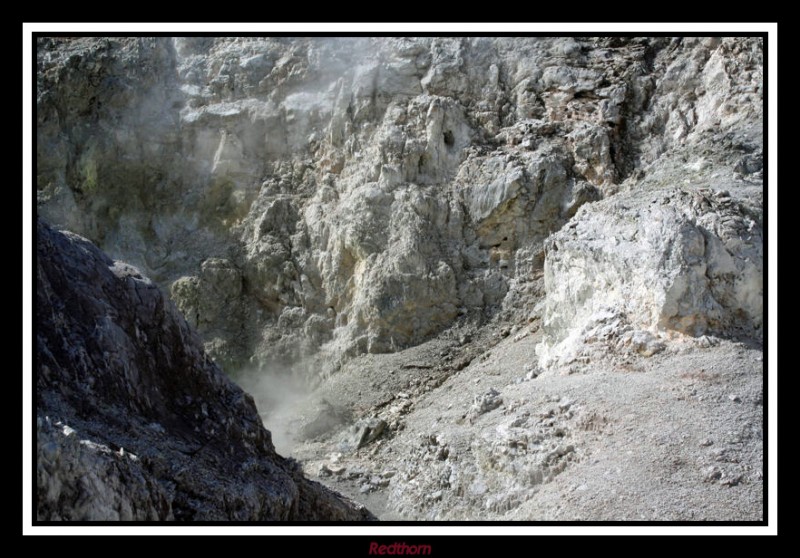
(381, 28)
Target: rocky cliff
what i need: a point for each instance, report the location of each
(341, 196)
(134, 421)
(526, 272)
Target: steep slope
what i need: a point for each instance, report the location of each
(336, 196)
(134, 421)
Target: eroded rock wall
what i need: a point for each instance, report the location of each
(338, 196)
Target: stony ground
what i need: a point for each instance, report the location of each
(675, 436)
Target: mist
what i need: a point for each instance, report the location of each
(282, 399)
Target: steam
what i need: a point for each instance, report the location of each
(291, 116)
(282, 399)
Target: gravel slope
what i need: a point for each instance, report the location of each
(673, 437)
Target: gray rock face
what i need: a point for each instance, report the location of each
(341, 196)
(134, 420)
(672, 262)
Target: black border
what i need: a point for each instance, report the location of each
(412, 539)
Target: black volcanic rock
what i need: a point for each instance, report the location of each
(135, 422)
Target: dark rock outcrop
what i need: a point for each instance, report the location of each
(135, 422)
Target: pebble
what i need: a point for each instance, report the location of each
(354, 474)
(711, 473)
(735, 398)
(731, 481)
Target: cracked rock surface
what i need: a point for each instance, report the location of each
(463, 278)
(134, 421)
